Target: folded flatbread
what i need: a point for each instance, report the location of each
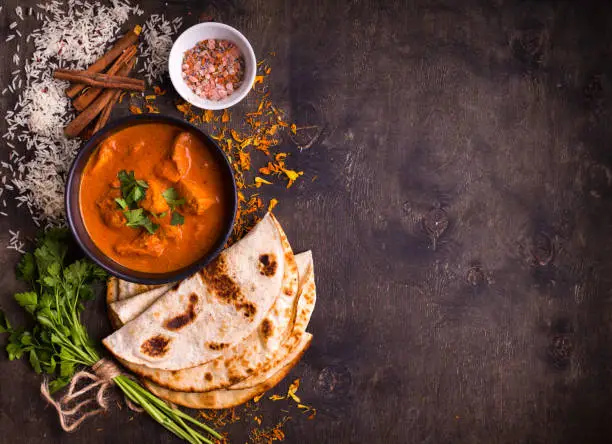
(222, 398)
(276, 338)
(216, 308)
(118, 289)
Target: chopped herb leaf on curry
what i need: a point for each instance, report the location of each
(152, 198)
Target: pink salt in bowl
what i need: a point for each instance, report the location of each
(215, 31)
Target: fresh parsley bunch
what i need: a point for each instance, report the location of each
(58, 343)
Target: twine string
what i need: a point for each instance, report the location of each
(104, 371)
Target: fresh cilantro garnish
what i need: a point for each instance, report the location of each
(138, 218)
(132, 190)
(172, 198)
(150, 226)
(177, 219)
(122, 203)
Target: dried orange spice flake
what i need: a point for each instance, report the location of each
(259, 182)
(157, 90)
(292, 175)
(135, 110)
(183, 107)
(208, 116)
(225, 117)
(245, 160)
(292, 389)
(259, 129)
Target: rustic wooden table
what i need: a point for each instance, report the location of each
(460, 222)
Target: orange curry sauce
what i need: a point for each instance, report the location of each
(165, 157)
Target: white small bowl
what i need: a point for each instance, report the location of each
(218, 31)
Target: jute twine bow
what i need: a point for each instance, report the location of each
(101, 379)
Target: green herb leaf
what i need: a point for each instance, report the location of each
(50, 365)
(177, 219)
(34, 361)
(14, 350)
(5, 325)
(132, 190)
(26, 338)
(121, 203)
(173, 198)
(26, 269)
(170, 195)
(125, 177)
(58, 384)
(27, 300)
(135, 218)
(150, 226)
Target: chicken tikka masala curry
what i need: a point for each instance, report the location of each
(152, 198)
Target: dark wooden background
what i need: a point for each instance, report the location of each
(460, 221)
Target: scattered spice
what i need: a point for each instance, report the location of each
(158, 91)
(291, 394)
(269, 434)
(135, 109)
(260, 129)
(259, 182)
(251, 415)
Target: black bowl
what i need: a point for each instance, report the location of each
(75, 219)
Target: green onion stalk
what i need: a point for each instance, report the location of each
(58, 344)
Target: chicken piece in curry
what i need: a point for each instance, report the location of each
(152, 198)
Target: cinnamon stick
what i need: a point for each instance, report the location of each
(83, 101)
(130, 38)
(106, 112)
(74, 128)
(100, 79)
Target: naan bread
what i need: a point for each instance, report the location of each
(129, 308)
(118, 289)
(222, 399)
(263, 349)
(213, 310)
(305, 308)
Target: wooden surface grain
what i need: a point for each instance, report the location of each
(460, 221)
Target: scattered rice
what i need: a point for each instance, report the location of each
(14, 242)
(156, 45)
(71, 35)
